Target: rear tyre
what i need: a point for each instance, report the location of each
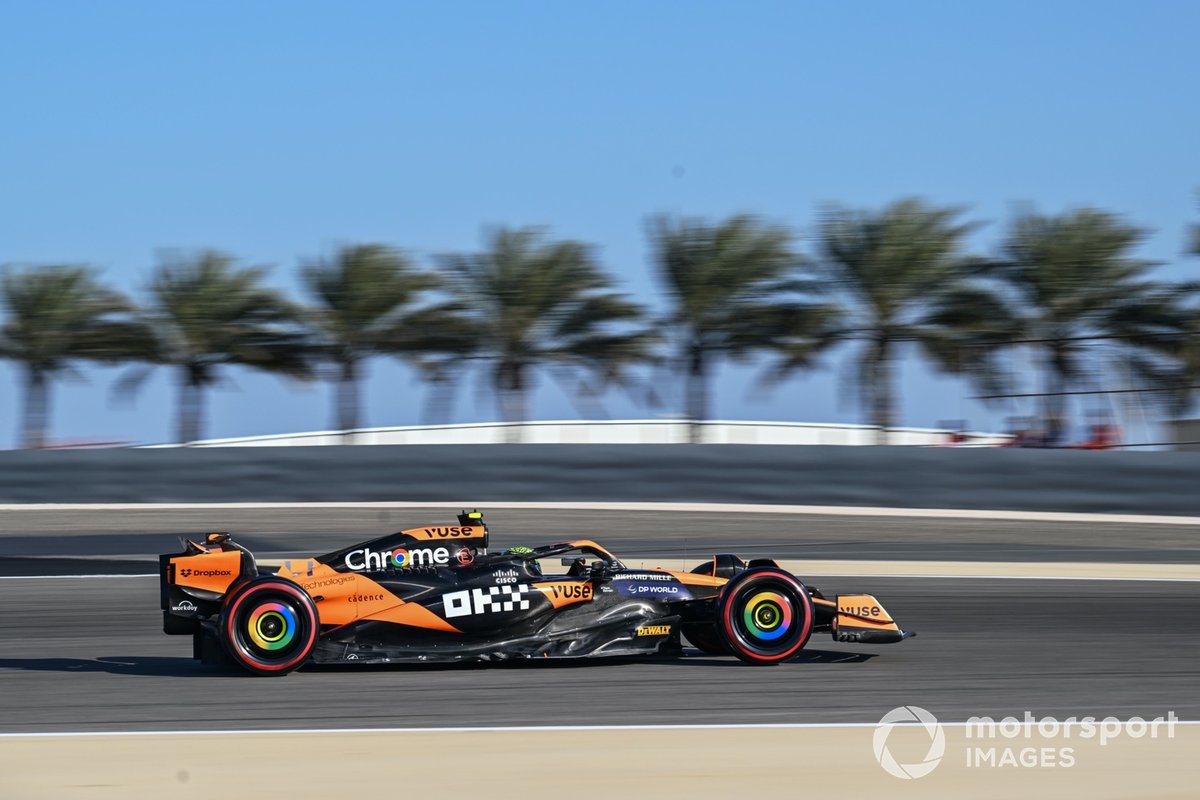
(269, 626)
(765, 615)
(704, 637)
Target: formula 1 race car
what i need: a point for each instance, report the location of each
(437, 595)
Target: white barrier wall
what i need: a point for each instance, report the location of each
(614, 432)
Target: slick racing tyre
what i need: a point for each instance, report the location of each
(269, 626)
(704, 637)
(765, 615)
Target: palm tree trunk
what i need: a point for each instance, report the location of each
(697, 394)
(439, 399)
(513, 395)
(880, 371)
(37, 397)
(191, 404)
(1054, 403)
(348, 399)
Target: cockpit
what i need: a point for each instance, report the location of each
(581, 559)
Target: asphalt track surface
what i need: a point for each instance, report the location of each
(79, 654)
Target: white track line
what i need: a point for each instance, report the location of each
(727, 508)
(537, 729)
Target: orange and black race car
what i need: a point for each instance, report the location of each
(437, 594)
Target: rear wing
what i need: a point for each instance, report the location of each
(192, 583)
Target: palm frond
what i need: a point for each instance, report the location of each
(526, 302)
(904, 276)
(1083, 303)
(56, 314)
(206, 311)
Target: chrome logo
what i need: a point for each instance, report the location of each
(396, 558)
(272, 626)
(768, 615)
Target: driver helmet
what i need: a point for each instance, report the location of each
(534, 566)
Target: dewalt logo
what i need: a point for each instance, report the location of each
(654, 630)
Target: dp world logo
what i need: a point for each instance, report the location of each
(906, 715)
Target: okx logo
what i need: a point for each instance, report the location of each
(917, 719)
(468, 602)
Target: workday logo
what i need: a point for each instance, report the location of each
(907, 715)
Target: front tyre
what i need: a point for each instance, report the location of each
(269, 626)
(765, 615)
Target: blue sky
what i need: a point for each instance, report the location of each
(277, 130)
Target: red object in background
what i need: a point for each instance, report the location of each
(1104, 437)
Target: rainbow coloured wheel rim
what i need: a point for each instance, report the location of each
(271, 627)
(768, 616)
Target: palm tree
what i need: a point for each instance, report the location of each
(1073, 283)
(57, 315)
(537, 305)
(734, 288)
(207, 313)
(905, 279)
(1196, 240)
(368, 303)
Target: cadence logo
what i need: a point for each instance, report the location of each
(907, 715)
(400, 558)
